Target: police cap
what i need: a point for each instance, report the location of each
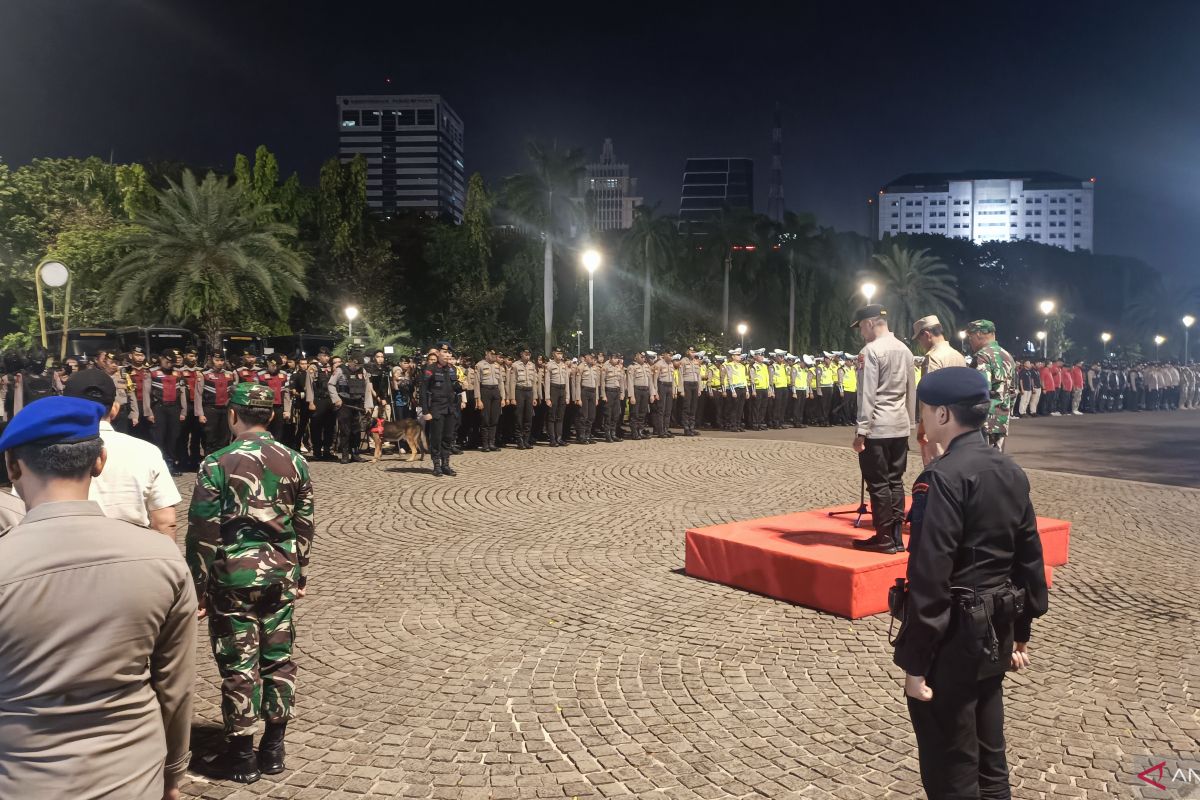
(953, 385)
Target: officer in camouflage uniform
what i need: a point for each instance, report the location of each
(1001, 371)
(250, 527)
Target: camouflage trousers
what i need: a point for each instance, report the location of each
(252, 632)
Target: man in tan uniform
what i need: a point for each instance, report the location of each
(928, 333)
(96, 683)
(489, 399)
(616, 386)
(556, 388)
(586, 389)
(641, 392)
(523, 391)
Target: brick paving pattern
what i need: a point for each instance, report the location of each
(525, 631)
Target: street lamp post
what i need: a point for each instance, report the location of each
(1106, 337)
(741, 329)
(591, 262)
(53, 274)
(1042, 337)
(351, 313)
(578, 336)
(1158, 340)
(1047, 308)
(1188, 321)
(962, 341)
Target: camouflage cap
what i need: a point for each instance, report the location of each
(981, 326)
(252, 395)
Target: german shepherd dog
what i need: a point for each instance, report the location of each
(409, 431)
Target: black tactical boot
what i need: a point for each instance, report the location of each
(898, 537)
(237, 762)
(437, 468)
(270, 749)
(879, 543)
(446, 467)
(344, 458)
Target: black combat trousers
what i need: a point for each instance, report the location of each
(216, 428)
(322, 423)
(187, 446)
(691, 402)
(489, 417)
(278, 424)
(439, 434)
(779, 409)
(715, 413)
(641, 407)
(524, 420)
(557, 412)
(882, 464)
(166, 429)
(612, 410)
(470, 432)
(735, 402)
(587, 414)
(850, 407)
(799, 407)
(827, 393)
(349, 421)
(761, 400)
(666, 396)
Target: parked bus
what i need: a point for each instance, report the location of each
(304, 344)
(234, 343)
(155, 339)
(83, 342)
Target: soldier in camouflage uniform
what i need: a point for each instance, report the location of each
(250, 527)
(1001, 371)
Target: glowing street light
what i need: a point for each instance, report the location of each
(351, 313)
(1106, 337)
(741, 329)
(1188, 322)
(591, 262)
(1041, 337)
(1047, 307)
(1158, 340)
(53, 274)
(868, 290)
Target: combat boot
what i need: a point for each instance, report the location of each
(437, 468)
(236, 763)
(270, 749)
(446, 467)
(344, 458)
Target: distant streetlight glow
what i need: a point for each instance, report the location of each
(741, 329)
(962, 341)
(351, 313)
(591, 262)
(1158, 340)
(1041, 337)
(1047, 307)
(1188, 322)
(868, 290)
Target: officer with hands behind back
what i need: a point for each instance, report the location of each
(975, 582)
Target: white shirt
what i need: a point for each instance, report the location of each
(886, 389)
(135, 480)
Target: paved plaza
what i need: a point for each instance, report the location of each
(525, 631)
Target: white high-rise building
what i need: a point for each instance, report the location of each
(609, 193)
(413, 144)
(1043, 207)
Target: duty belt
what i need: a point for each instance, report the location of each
(985, 607)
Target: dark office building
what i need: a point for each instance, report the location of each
(710, 184)
(413, 144)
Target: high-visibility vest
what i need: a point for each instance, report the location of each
(826, 375)
(780, 378)
(714, 377)
(918, 371)
(800, 378)
(850, 380)
(737, 374)
(762, 377)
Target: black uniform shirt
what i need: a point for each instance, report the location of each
(439, 389)
(973, 527)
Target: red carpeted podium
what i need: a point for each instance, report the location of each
(806, 558)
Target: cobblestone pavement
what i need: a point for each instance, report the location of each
(524, 631)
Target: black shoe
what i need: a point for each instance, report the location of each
(662, 436)
(356, 459)
(236, 767)
(447, 471)
(270, 758)
(456, 451)
(437, 470)
(345, 458)
(563, 443)
(695, 432)
(879, 543)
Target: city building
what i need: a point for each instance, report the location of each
(1044, 207)
(775, 204)
(609, 194)
(413, 144)
(710, 184)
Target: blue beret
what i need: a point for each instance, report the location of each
(54, 420)
(952, 385)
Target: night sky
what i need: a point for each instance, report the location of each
(869, 91)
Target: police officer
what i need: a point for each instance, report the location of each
(975, 583)
(164, 395)
(214, 388)
(489, 399)
(557, 391)
(523, 391)
(663, 371)
(277, 381)
(320, 406)
(642, 391)
(691, 375)
(441, 395)
(616, 388)
(588, 383)
(191, 432)
(736, 381)
(248, 371)
(352, 396)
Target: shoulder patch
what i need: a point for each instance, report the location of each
(428, 373)
(920, 488)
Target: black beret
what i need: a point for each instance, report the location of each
(952, 385)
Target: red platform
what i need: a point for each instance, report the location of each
(807, 558)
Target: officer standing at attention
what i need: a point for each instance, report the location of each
(214, 387)
(691, 375)
(616, 386)
(736, 380)
(975, 583)
(277, 381)
(489, 377)
(440, 397)
(664, 382)
(641, 390)
(714, 381)
(939, 354)
(1001, 371)
(320, 407)
(250, 528)
(191, 432)
(164, 394)
(523, 390)
(557, 391)
(588, 380)
(248, 371)
(351, 393)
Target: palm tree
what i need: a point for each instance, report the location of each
(543, 199)
(208, 255)
(374, 339)
(914, 284)
(732, 228)
(1159, 308)
(652, 240)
